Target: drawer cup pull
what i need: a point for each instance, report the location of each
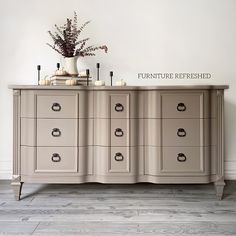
(181, 107)
(181, 132)
(56, 157)
(56, 106)
(56, 132)
(119, 132)
(119, 107)
(181, 157)
(119, 157)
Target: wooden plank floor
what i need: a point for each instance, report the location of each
(96, 209)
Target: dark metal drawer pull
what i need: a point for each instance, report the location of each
(181, 132)
(119, 157)
(119, 132)
(181, 157)
(56, 132)
(119, 107)
(181, 107)
(56, 106)
(56, 157)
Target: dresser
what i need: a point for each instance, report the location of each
(112, 134)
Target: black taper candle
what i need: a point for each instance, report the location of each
(87, 75)
(38, 68)
(98, 66)
(111, 75)
(58, 66)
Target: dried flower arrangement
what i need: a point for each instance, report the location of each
(66, 40)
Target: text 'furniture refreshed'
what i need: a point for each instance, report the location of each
(157, 134)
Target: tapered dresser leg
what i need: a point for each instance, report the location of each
(219, 188)
(17, 186)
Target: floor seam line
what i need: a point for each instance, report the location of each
(35, 228)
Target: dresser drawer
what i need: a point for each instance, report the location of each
(57, 132)
(184, 159)
(182, 132)
(182, 105)
(119, 160)
(56, 159)
(116, 162)
(105, 131)
(120, 132)
(57, 106)
(119, 105)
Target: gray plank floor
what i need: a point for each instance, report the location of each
(96, 209)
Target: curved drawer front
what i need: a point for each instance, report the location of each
(152, 156)
(57, 106)
(57, 132)
(56, 159)
(182, 132)
(182, 105)
(115, 161)
(152, 132)
(184, 159)
(120, 132)
(119, 105)
(119, 161)
(116, 104)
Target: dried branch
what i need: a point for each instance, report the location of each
(82, 27)
(81, 41)
(65, 40)
(53, 47)
(59, 29)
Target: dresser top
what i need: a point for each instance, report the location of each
(91, 87)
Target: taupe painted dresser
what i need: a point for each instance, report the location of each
(159, 134)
